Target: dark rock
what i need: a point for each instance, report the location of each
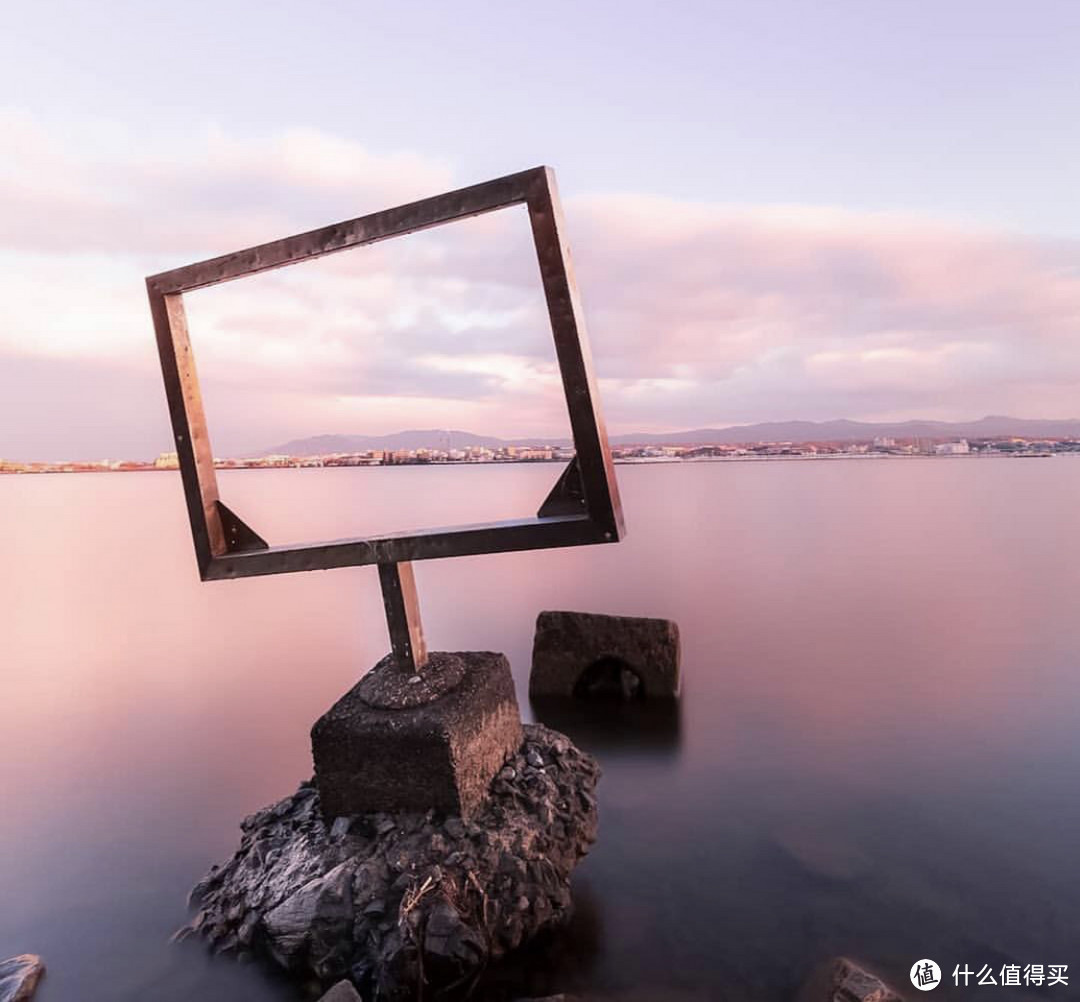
(407, 898)
(454, 828)
(842, 980)
(410, 756)
(343, 991)
(453, 949)
(581, 653)
(340, 828)
(322, 907)
(19, 977)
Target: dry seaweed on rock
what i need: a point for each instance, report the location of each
(401, 900)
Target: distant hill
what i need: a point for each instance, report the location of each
(771, 431)
(422, 438)
(849, 431)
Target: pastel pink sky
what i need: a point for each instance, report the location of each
(707, 303)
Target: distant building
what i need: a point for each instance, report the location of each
(167, 461)
(960, 448)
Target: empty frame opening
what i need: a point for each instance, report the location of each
(398, 386)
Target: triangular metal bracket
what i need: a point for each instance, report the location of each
(239, 538)
(567, 497)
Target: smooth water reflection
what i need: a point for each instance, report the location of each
(875, 753)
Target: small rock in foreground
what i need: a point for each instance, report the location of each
(842, 980)
(395, 900)
(19, 977)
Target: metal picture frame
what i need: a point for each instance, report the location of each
(583, 506)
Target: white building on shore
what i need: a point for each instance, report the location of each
(960, 448)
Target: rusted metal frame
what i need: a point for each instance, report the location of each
(225, 547)
(239, 538)
(474, 200)
(430, 544)
(567, 497)
(403, 615)
(194, 454)
(574, 355)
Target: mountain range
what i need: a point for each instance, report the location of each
(994, 426)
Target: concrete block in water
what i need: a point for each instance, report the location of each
(576, 651)
(399, 742)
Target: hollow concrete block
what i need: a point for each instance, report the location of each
(569, 644)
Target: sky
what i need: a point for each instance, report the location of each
(778, 210)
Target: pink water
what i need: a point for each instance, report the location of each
(876, 753)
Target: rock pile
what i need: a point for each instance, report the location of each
(394, 900)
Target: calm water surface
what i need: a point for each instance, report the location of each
(877, 750)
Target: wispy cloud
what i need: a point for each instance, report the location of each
(699, 313)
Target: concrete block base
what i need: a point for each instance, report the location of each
(435, 740)
(578, 652)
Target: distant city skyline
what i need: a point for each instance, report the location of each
(880, 231)
(834, 440)
(991, 427)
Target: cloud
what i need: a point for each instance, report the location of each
(109, 190)
(699, 313)
(802, 312)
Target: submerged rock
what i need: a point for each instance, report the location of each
(19, 977)
(393, 900)
(831, 853)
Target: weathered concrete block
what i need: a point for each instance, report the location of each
(574, 650)
(400, 743)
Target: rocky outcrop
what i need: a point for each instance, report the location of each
(19, 977)
(393, 899)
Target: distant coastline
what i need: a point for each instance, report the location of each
(991, 435)
(886, 448)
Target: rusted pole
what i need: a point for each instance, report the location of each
(403, 615)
